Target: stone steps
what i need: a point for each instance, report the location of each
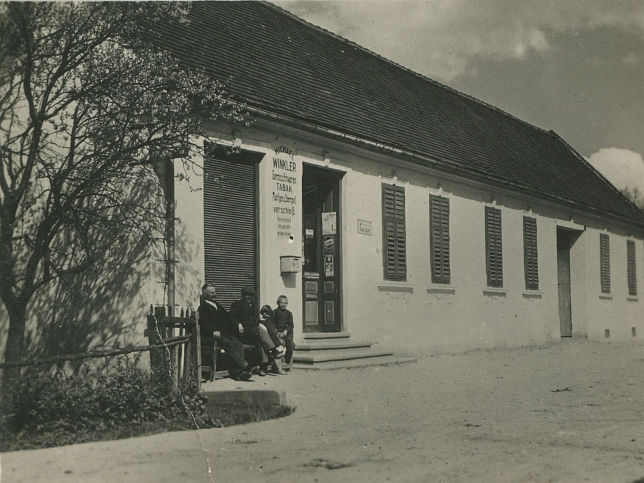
(336, 350)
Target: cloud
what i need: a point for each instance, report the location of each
(622, 167)
(450, 34)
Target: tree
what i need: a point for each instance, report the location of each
(635, 195)
(88, 104)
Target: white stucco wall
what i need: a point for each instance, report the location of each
(417, 316)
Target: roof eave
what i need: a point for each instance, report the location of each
(443, 165)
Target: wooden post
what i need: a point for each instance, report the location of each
(195, 340)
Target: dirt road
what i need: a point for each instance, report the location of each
(570, 412)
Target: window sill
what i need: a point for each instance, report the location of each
(437, 288)
(495, 292)
(532, 294)
(605, 296)
(632, 298)
(395, 287)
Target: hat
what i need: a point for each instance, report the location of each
(248, 291)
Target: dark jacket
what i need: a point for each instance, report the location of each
(245, 313)
(283, 320)
(211, 320)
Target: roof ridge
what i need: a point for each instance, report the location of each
(402, 67)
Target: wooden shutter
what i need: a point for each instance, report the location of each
(394, 237)
(494, 247)
(530, 254)
(439, 238)
(604, 262)
(230, 221)
(631, 273)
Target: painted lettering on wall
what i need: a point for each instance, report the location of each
(284, 196)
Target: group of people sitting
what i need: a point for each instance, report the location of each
(269, 331)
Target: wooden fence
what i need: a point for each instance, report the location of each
(182, 360)
(175, 346)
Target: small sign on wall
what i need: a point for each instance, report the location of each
(364, 227)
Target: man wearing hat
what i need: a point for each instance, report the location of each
(246, 314)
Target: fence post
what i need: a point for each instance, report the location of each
(195, 342)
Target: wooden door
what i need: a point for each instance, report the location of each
(563, 278)
(321, 251)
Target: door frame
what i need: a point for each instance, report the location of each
(565, 239)
(338, 177)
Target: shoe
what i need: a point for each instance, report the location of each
(261, 370)
(243, 376)
(276, 353)
(277, 367)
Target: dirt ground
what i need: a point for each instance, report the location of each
(570, 412)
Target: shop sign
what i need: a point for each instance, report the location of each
(284, 180)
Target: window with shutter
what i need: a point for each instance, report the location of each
(604, 262)
(493, 247)
(530, 254)
(393, 229)
(439, 238)
(630, 267)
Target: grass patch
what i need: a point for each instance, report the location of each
(121, 402)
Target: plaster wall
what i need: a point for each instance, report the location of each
(595, 312)
(416, 315)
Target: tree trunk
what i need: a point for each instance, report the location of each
(13, 350)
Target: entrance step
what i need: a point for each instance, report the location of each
(337, 350)
(316, 356)
(326, 335)
(389, 360)
(320, 345)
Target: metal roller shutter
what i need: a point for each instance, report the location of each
(230, 221)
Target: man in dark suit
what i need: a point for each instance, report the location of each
(215, 322)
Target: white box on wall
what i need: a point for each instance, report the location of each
(290, 264)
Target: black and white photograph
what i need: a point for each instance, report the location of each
(322, 241)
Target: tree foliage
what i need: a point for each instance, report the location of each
(88, 104)
(635, 195)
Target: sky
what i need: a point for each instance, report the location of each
(573, 66)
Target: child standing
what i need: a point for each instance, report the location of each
(283, 321)
(266, 324)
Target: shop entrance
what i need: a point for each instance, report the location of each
(321, 271)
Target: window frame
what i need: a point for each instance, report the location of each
(439, 239)
(494, 247)
(394, 240)
(631, 268)
(530, 253)
(604, 263)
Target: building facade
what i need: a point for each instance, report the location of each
(390, 207)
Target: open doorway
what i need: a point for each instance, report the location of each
(566, 237)
(322, 268)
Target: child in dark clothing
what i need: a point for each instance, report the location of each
(266, 323)
(283, 322)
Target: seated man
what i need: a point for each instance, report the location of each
(244, 312)
(215, 322)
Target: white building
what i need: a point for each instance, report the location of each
(389, 206)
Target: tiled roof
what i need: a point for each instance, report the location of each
(279, 63)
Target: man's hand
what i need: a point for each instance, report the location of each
(241, 328)
(217, 334)
(284, 334)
